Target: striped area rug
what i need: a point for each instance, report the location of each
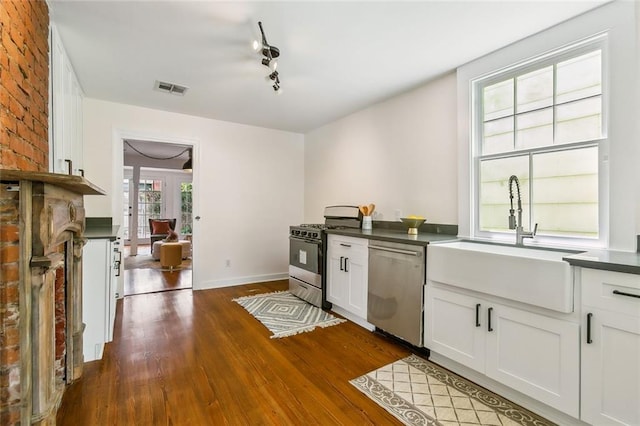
(284, 314)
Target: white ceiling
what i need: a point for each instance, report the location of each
(336, 57)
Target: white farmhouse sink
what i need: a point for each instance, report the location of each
(535, 276)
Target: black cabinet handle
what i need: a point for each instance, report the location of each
(70, 165)
(489, 311)
(589, 316)
(477, 315)
(346, 259)
(345, 245)
(341, 260)
(622, 293)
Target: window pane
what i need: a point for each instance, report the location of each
(579, 120)
(149, 204)
(565, 192)
(497, 100)
(535, 90)
(186, 208)
(494, 192)
(498, 136)
(125, 204)
(535, 129)
(579, 77)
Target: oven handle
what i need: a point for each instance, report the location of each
(316, 242)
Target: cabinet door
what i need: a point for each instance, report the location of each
(534, 354)
(610, 368)
(96, 272)
(356, 271)
(454, 326)
(337, 279)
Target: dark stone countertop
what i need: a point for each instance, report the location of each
(393, 235)
(607, 260)
(95, 233)
(100, 228)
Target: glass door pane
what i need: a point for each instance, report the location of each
(150, 201)
(186, 208)
(126, 203)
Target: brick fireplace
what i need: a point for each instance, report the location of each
(42, 222)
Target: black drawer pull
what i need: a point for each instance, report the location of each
(345, 245)
(477, 315)
(489, 311)
(622, 293)
(589, 316)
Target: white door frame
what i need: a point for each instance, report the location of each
(118, 137)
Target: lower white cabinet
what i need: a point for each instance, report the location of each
(535, 354)
(610, 348)
(98, 296)
(347, 265)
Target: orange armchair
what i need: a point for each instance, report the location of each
(160, 228)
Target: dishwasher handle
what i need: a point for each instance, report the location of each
(395, 250)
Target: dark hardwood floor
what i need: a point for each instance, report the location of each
(198, 358)
(138, 281)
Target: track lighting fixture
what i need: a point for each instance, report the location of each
(270, 59)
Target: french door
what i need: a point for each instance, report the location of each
(147, 202)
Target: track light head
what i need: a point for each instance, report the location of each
(271, 63)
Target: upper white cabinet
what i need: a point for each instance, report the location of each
(610, 348)
(65, 111)
(347, 265)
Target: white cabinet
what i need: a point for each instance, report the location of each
(535, 354)
(65, 119)
(610, 348)
(98, 296)
(347, 264)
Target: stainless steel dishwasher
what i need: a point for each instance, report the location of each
(396, 288)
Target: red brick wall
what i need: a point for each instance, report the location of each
(24, 85)
(9, 308)
(24, 97)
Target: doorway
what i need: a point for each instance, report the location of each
(156, 190)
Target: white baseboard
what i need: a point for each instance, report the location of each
(229, 282)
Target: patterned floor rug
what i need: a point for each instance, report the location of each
(418, 392)
(284, 314)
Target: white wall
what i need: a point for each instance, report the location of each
(623, 159)
(248, 186)
(400, 154)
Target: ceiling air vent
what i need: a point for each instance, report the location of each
(174, 89)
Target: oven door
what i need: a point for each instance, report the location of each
(305, 254)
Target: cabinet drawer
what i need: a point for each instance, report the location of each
(613, 291)
(353, 246)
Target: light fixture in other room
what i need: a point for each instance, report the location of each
(269, 59)
(187, 166)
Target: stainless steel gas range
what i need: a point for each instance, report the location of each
(307, 246)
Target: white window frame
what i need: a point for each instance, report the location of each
(596, 42)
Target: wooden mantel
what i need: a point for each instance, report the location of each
(73, 183)
(43, 223)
